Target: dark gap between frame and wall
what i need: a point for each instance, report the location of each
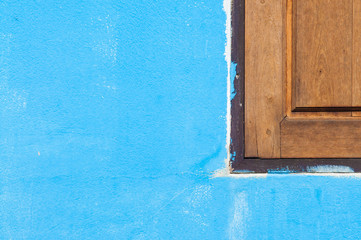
(316, 165)
(326, 109)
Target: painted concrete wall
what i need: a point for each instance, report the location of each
(113, 119)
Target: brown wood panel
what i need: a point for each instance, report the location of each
(288, 56)
(321, 138)
(263, 77)
(322, 53)
(356, 54)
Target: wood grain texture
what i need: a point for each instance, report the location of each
(288, 57)
(263, 77)
(322, 53)
(288, 71)
(321, 138)
(356, 57)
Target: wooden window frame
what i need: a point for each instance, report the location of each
(238, 162)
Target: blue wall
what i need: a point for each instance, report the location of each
(112, 120)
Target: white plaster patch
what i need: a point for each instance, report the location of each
(196, 200)
(238, 224)
(330, 169)
(10, 99)
(108, 45)
(225, 172)
(227, 6)
(199, 194)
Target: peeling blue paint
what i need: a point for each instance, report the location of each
(233, 76)
(242, 171)
(281, 171)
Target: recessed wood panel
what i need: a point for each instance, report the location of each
(321, 138)
(322, 51)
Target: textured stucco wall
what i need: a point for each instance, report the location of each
(112, 120)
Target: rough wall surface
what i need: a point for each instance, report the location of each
(112, 120)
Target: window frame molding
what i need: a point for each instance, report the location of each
(238, 163)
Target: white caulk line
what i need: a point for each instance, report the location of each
(227, 6)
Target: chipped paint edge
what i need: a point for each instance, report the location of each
(222, 173)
